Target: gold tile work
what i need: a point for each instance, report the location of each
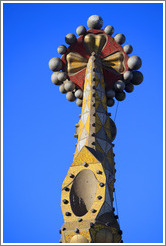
(81, 125)
(69, 235)
(84, 156)
(88, 103)
(80, 132)
(91, 122)
(86, 234)
(87, 125)
(76, 153)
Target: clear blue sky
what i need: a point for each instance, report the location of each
(39, 122)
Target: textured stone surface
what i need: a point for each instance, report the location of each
(54, 78)
(79, 94)
(79, 102)
(128, 49)
(81, 30)
(70, 96)
(128, 75)
(95, 22)
(62, 89)
(120, 38)
(70, 38)
(109, 30)
(69, 85)
(62, 76)
(62, 49)
(134, 62)
(55, 64)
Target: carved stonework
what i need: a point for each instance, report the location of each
(95, 69)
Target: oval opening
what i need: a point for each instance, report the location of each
(83, 192)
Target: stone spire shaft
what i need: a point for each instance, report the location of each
(94, 128)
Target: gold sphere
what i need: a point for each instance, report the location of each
(79, 239)
(104, 236)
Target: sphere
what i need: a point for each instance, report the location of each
(62, 49)
(120, 38)
(129, 87)
(119, 85)
(70, 96)
(134, 62)
(62, 89)
(95, 22)
(128, 49)
(104, 236)
(110, 93)
(128, 75)
(109, 30)
(54, 78)
(62, 76)
(110, 102)
(79, 102)
(69, 85)
(81, 30)
(78, 93)
(120, 96)
(79, 239)
(55, 64)
(70, 38)
(137, 78)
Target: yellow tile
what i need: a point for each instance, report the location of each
(84, 156)
(81, 125)
(87, 124)
(76, 153)
(79, 133)
(86, 234)
(89, 103)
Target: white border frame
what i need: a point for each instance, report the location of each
(2, 120)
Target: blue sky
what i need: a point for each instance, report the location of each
(39, 122)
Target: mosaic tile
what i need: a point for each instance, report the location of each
(100, 108)
(84, 134)
(102, 143)
(84, 155)
(102, 117)
(101, 134)
(81, 144)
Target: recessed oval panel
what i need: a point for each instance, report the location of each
(83, 192)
